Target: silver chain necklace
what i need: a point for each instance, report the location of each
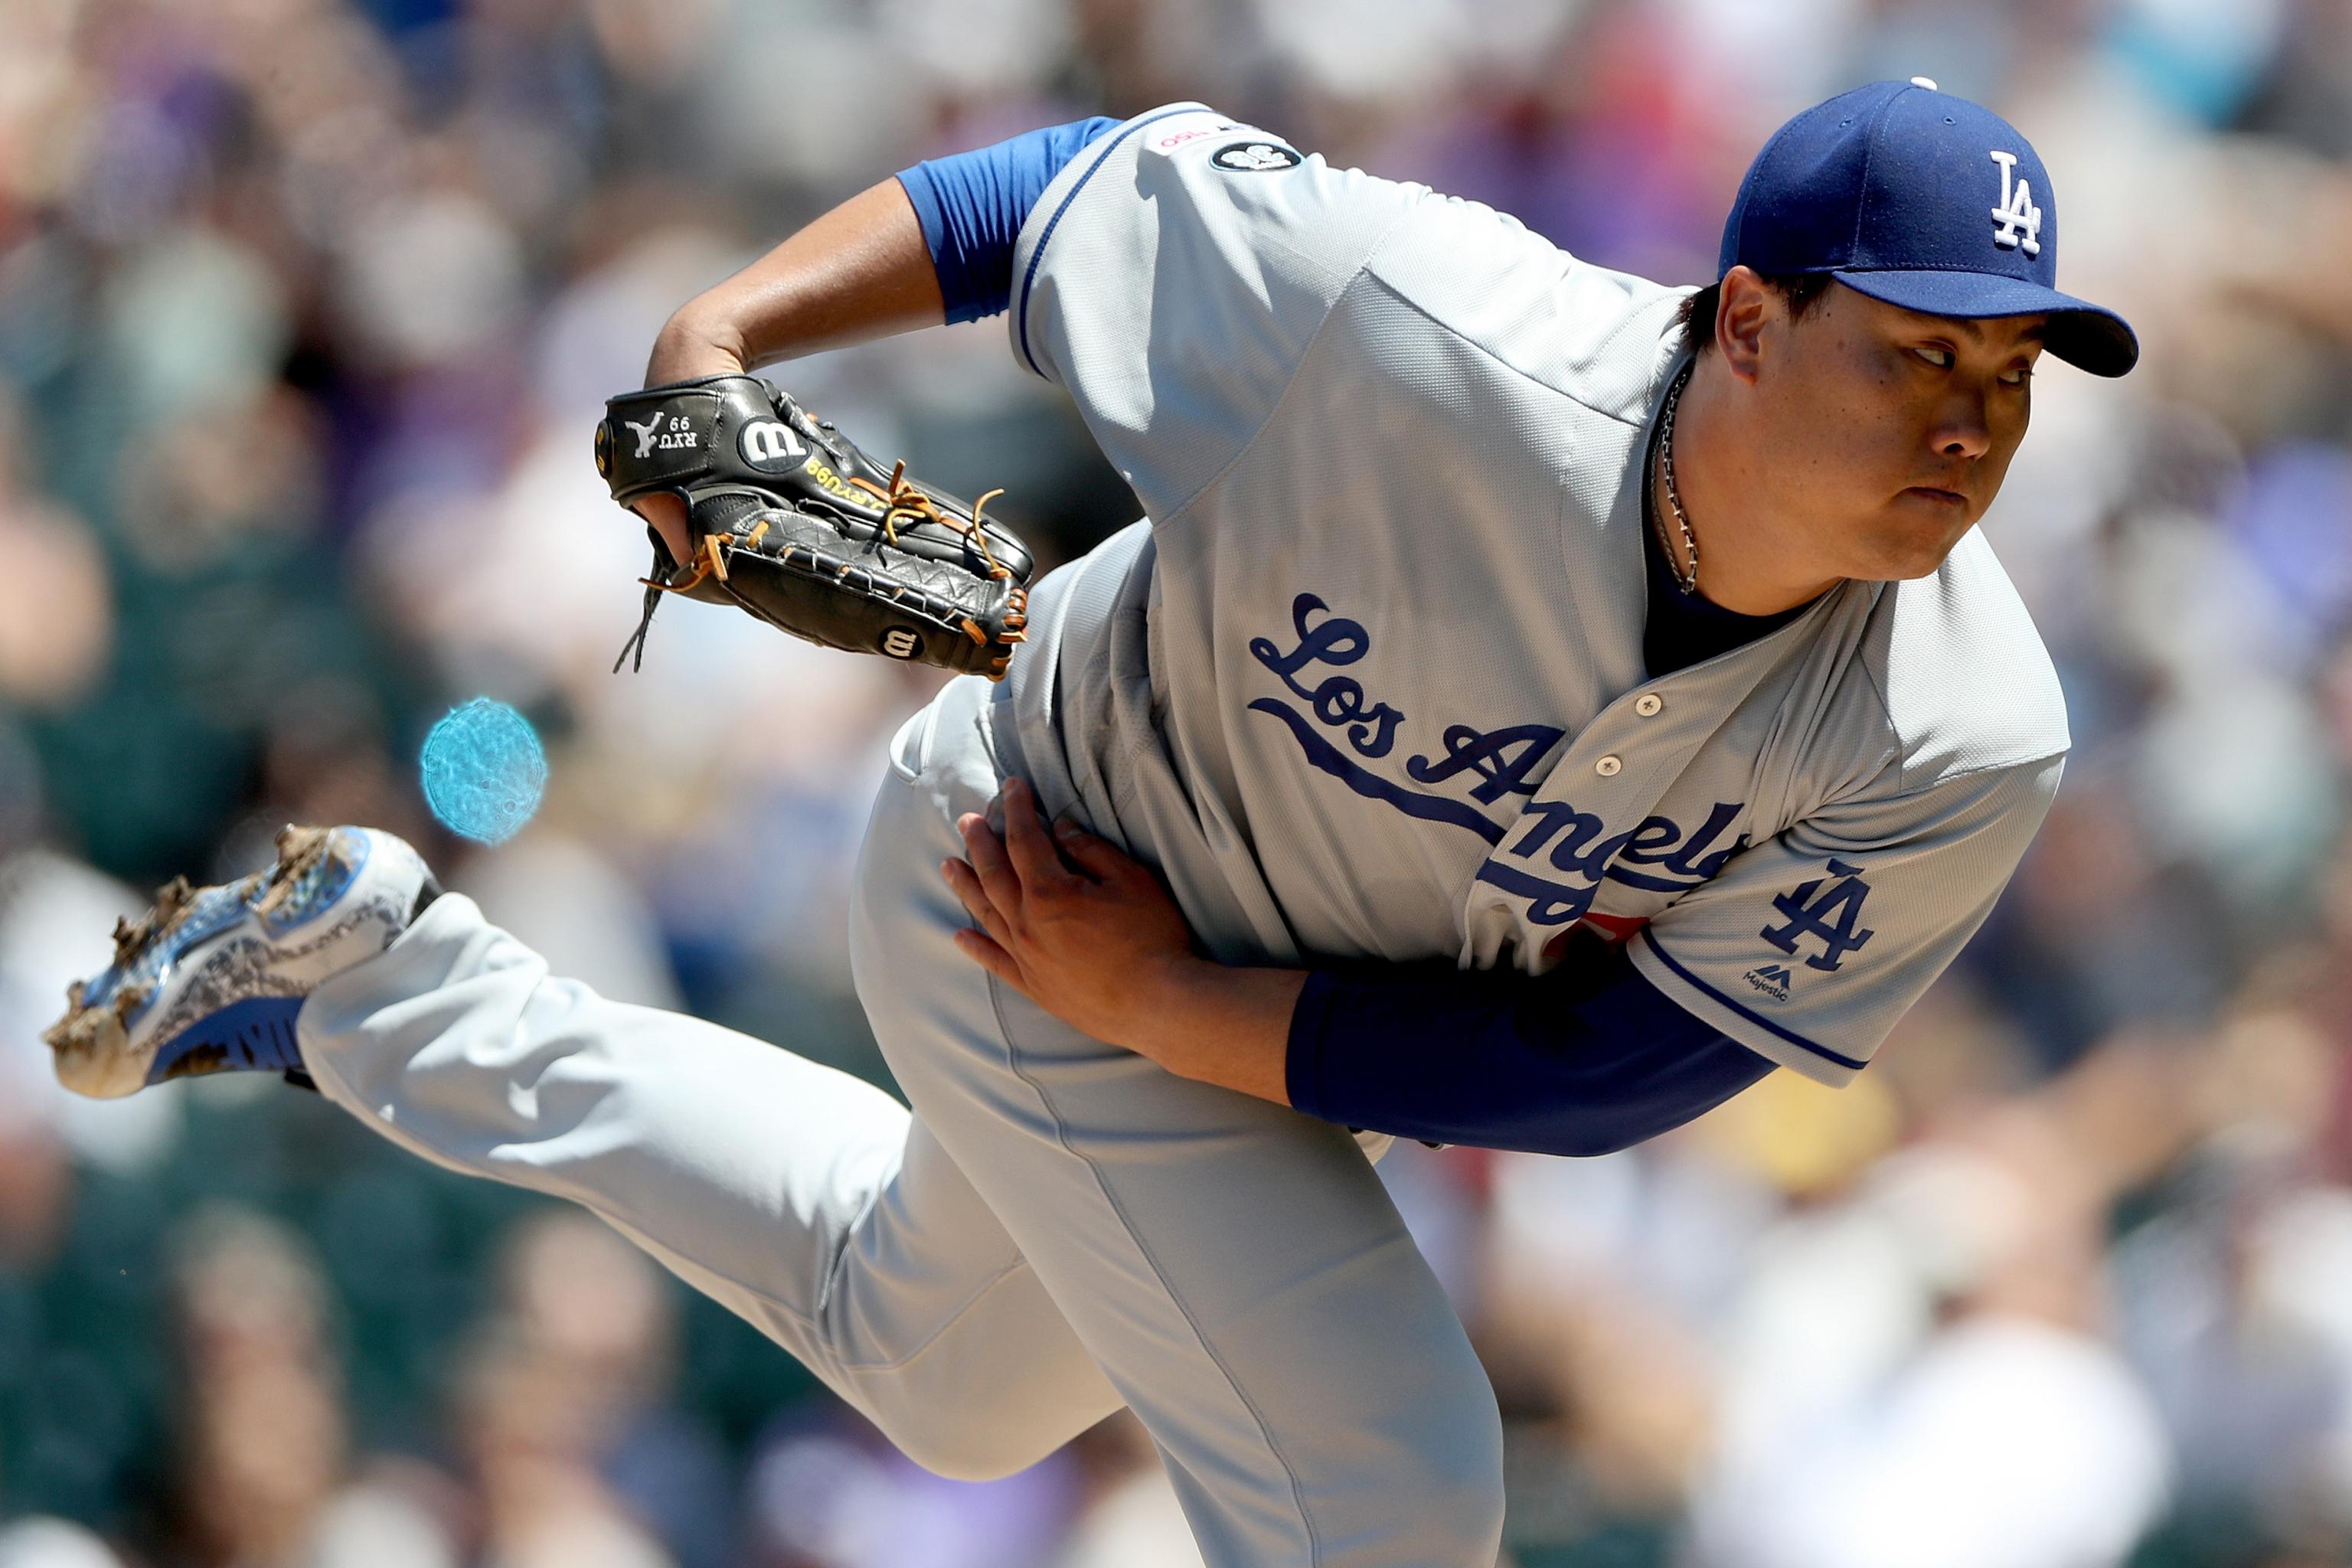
(1687, 581)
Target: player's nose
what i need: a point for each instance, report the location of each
(1962, 428)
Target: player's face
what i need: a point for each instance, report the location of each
(1900, 427)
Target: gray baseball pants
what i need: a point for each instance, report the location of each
(1058, 1228)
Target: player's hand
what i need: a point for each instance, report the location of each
(694, 344)
(667, 515)
(1090, 935)
(688, 348)
(1065, 919)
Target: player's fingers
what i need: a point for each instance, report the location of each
(1025, 841)
(1098, 856)
(965, 883)
(985, 850)
(1109, 865)
(986, 952)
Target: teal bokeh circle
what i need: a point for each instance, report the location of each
(484, 771)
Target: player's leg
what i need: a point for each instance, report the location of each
(808, 1202)
(1236, 1269)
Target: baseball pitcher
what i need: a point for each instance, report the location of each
(1535, 703)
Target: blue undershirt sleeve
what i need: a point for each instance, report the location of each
(1582, 1060)
(971, 206)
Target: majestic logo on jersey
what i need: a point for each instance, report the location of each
(1771, 979)
(1560, 842)
(1827, 909)
(2016, 222)
(1254, 157)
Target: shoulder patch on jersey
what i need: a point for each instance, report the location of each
(1827, 909)
(1254, 157)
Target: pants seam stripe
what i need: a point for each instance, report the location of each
(1061, 1136)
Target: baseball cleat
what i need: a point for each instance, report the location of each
(209, 980)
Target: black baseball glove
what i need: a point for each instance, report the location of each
(791, 521)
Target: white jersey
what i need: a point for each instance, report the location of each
(1368, 681)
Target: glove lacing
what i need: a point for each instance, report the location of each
(909, 501)
(902, 499)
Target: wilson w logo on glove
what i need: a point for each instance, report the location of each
(791, 523)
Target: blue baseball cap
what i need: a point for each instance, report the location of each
(1925, 201)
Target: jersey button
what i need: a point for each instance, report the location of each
(1648, 704)
(1607, 767)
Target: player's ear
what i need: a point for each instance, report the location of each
(1742, 314)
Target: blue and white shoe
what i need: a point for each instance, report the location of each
(210, 979)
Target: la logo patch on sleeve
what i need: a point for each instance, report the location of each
(1254, 157)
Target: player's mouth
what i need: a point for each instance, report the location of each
(1953, 499)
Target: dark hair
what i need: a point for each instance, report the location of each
(1698, 312)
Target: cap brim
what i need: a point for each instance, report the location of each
(2084, 335)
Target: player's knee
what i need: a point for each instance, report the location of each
(964, 1457)
(1471, 1507)
(1457, 1500)
(961, 1448)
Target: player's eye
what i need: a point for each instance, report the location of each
(1940, 358)
(2017, 377)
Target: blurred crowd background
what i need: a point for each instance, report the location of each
(307, 308)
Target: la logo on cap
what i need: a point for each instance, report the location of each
(2016, 221)
(1885, 188)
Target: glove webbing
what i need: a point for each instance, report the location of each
(902, 499)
